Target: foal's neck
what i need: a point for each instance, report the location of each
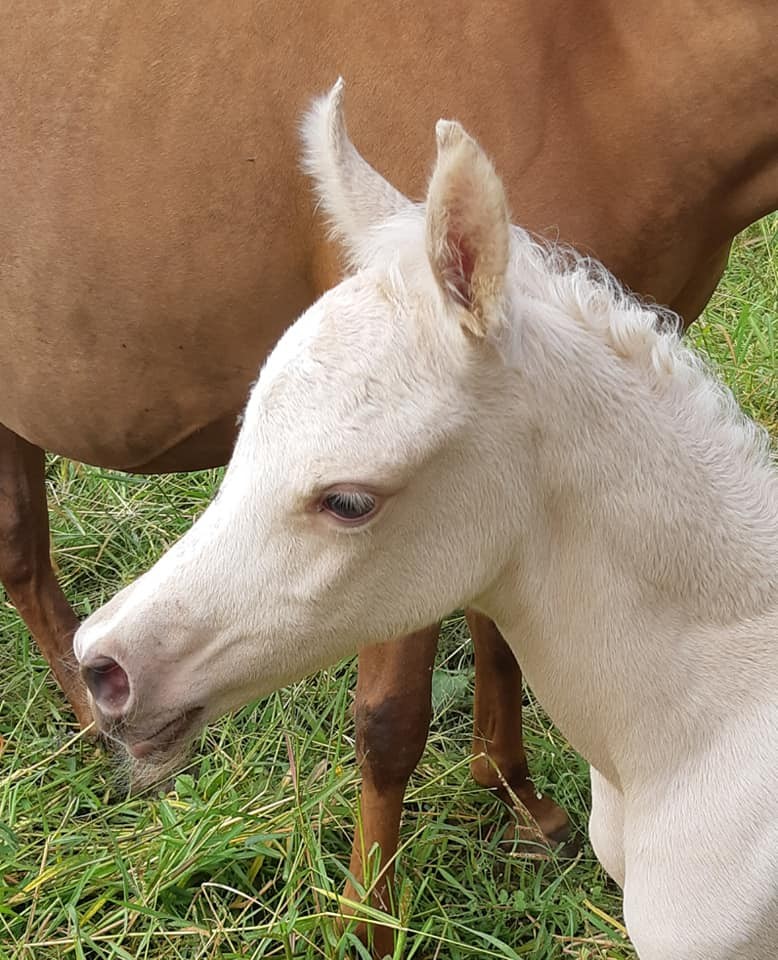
(645, 581)
(660, 486)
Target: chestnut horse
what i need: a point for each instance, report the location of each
(157, 237)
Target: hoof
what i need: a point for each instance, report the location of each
(528, 839)
(547, 825)
(563, 841)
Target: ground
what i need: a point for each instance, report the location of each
(247, 859)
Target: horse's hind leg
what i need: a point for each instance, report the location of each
(498, 744)
(392, 713)
(25, 564)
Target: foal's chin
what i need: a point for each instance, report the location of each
(157, 771)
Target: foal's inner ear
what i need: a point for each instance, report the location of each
(468, 228)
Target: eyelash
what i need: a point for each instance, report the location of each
(349, 506)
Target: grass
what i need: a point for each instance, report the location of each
(246, 860)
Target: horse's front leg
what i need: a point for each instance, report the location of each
(392, 712)
(25, 565)
(606, 826)
(498, 745)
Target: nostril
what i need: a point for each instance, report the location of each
(108, 683)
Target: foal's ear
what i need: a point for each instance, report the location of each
(354, 196)
(468, 228)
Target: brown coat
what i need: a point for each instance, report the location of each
(157, 236)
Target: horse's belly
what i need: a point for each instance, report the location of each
(155, 235)
(159, 396)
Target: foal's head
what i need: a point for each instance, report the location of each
(368, 494)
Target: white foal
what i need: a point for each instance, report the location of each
(470, 418)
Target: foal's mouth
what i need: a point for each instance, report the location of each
(171, 732)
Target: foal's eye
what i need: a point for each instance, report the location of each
(350, 506)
